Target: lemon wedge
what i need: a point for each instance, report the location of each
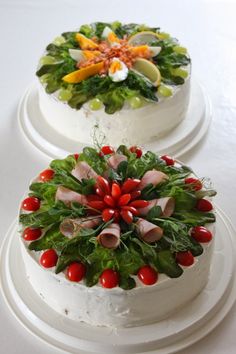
(145, 37)
(148, 69)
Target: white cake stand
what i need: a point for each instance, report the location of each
(187, 326)
(180, 140)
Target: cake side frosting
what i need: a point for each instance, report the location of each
(121, 227)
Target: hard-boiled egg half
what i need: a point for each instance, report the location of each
(118, 71)
(110, 37)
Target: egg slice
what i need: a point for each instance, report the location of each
(118, 71)
(110, 36)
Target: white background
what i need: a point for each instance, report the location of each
(207, 28)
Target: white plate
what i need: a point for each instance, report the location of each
(187, 326)
(180, 140)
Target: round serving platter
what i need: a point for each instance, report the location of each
(187, 326)
(180, 140)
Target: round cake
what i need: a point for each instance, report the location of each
(128, 83)
(117, 238)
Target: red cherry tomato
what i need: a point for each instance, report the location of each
(107, 150)
(76, 271)
(124, 199)
(116, 216)
(30, 204)
(99, 192)
(136, 150)
(93, 197)
(109, 201)
(135, 195)
(46, 175)
(133, 210)
(147, 275)
(107, 214)
(140, 203)
(127, 216)
(76, 156)
(115, 190)
(97, 204)
(129, 185)
(48, 259)
(168, 160)
(201, 234)
(103, 184)
(30, 234)
(109, 278)
(204, 205)
(195, 183)
(185, 258)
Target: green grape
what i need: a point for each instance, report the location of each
(135, 102)
(47, 60)
(180, 50)
(59, 40)
(95, 104)
(64, 95)
(44, 78)
(163, 35)
(180, 72)
(165, 91)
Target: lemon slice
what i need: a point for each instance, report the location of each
(145, 37)
(149, 70)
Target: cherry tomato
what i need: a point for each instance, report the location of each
(129, 185)
(115, 190)
(107, 214)
(204, 205)
(185, 258)
(136, 150)
(30, 234)
(201, 234)
(30, 204)
(133, 210)
(195, 183)
(100, 192)
(168, 160)
(46, 175)
(109, 200)
(76, 271)
(97, 204)
(109, 278)
(147, 275)
(124, 199)
(76, 156)
(48, 259)
(127, 216)
(140, 203)
(103, 184)
(93, 197)
(117, 216)
(107, 150)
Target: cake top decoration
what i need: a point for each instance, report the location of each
(109, 216)
(111, 63)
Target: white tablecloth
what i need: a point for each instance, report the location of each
(207, 28)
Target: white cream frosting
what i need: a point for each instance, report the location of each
(127, 126)
(117, 307)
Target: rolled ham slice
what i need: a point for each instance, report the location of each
(110, 236)
(82, 170)
(148, 231)
(154, 177)
(68, 196)
(167, 205)
(70, 227)
(115, 160)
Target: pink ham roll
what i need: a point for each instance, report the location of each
(115, 160)
(82, 170)
(154, 177)
(68, 196)
(71, 227)
(148, 231)
(167, 205)
(110, 236)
